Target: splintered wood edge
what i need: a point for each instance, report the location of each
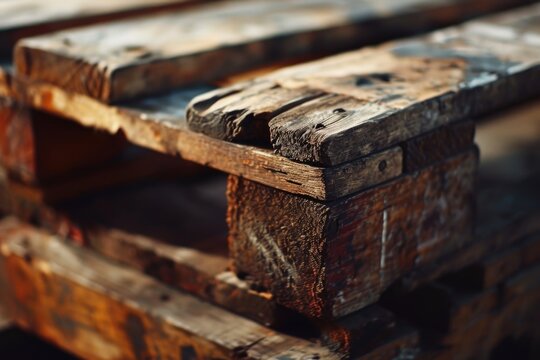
(205, 326)
(333, 110)
(257, 164)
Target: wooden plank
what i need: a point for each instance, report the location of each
(94, 308)
(159, 124)
(340, 108)
(225, 38)
(330, 259)
(24, 18)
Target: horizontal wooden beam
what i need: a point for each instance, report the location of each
(25, 18)
(94, 308)
(343, 107)
(128, 59)
(159, 124)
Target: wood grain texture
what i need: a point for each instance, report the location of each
(159, 123)
(334, 110)
(330, 259)
(97, 309)
(133, 58)
(24, 18)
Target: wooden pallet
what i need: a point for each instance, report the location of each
(151, 239)
(373, 188)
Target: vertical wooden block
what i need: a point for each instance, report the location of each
(37, 147)
(328, 259)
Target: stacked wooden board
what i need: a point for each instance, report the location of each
(348, 174)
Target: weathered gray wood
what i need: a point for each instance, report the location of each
(159, 123)
(22, 18)
(337, 109)
(98, 309)
(132, 58)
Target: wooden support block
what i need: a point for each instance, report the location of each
(337, 109)
(96, 309)
(213, 41)
(40, 148)
(329, 259)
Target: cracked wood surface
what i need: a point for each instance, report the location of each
(340, 108)
(22, 18)
(95, 308)
(129, 59)
(159, 123)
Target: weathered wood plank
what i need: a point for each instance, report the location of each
(24, 18)
(96, 309)
(126, 59)
(159, 124)
(337, 109)
(329, 259)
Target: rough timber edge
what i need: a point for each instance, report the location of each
(254, 163)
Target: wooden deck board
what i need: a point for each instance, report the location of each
(145, 56)
(158, 123)
(337, 109)
(75, 298)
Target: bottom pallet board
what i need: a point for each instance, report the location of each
(84, 303)
(94, 308)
